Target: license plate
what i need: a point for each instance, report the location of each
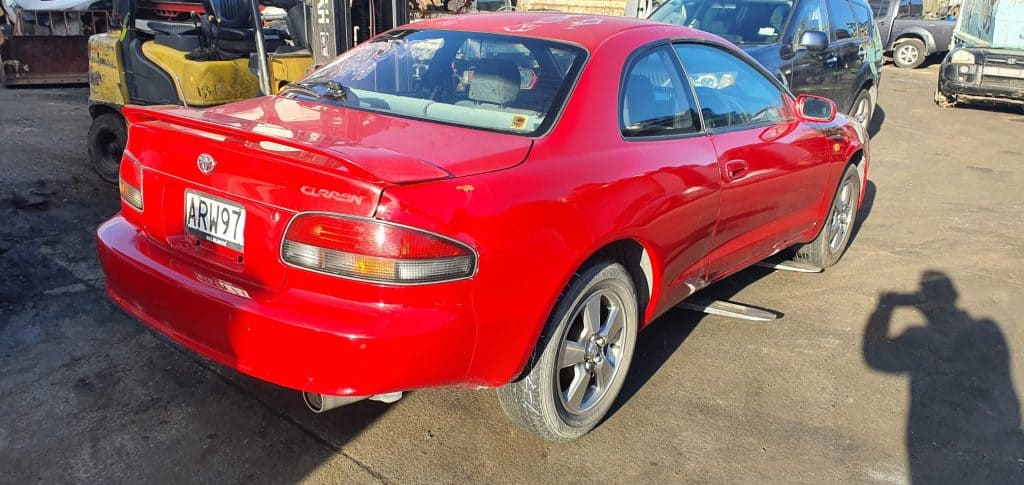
(1004, 72)
(214, 219)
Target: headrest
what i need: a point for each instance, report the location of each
(233, 14)
(495, 81)
(639, 99)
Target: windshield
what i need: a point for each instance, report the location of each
(738, 21)
(992, 24)
(494, 82)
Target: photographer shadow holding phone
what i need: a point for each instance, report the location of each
(965, 423)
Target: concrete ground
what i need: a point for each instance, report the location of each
(903, 363)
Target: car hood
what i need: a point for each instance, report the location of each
(374, 138)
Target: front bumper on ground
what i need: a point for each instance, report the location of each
(975, 86)
(295, 338)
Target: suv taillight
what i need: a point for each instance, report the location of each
(376, 251)
(129, 181)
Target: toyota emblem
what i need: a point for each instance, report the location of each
(1011, 61)
(206, 163)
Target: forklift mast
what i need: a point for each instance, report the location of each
(338, 25)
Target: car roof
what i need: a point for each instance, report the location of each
(588, 31)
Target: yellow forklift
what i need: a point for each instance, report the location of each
(210, 53)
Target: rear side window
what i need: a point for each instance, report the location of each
(844, 24)
(880, 7)
(910, 8)
(655, 99)
(730, 91)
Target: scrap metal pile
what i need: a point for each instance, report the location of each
(46, 41)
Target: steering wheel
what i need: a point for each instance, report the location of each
(760, 115)
(738, 113)
(439, 86)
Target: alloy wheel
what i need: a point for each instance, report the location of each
(842, 216)
(860, 112)
(907, 54)
(590, 352)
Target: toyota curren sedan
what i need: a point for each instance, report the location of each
(485, 201)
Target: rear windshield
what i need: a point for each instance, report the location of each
(493, 82)
(738, 21)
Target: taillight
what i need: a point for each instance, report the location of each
(129, 181)
(375, 251)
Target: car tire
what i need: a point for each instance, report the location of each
(834, 237)
(861, 109)
(107, 137)
(909, 53)
(582, 358)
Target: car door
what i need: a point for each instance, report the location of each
(807, 71)
(666, 142)
(772, 166)
(885, 14)
(848, 50)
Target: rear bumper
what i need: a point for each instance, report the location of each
(294, 338)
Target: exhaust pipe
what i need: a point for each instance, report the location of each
(320, 403)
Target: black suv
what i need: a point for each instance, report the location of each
(827, 48)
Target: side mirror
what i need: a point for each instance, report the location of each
(815, 108)
(814, 40)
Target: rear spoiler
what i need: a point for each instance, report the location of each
(369, 163)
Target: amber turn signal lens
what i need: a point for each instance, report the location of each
(129, 182)
(375, 251)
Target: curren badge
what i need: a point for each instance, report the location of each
(206, 163)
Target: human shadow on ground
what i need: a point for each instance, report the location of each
(964, 424)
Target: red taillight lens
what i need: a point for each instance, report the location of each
(374, 251)
(129, 182)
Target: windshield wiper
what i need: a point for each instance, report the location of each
(332, 89)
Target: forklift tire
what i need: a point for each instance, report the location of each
(107, 137)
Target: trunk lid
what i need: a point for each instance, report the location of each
(276, 157)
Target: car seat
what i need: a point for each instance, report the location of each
(495, 84)
(232, 30)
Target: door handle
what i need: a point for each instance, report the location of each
(735, 169)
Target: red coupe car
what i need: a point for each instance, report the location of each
(486, 200)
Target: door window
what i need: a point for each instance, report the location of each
(655, 101)
(809, 16)
(730, 92)
(910, 8)
(863, 16)
(844, 24)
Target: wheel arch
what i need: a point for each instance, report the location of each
(858, 160)
(916, 33)
(640, 262)
(636, 258)
(865, 81)
(97, 109)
